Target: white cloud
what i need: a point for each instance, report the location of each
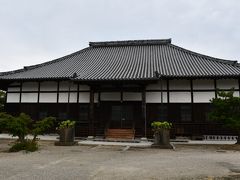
(37, 31)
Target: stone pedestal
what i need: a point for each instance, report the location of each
(66, 137)
(162, 139)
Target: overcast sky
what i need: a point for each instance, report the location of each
(35, 31)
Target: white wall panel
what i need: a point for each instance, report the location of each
(203, 97)
(180, 97)
(84, 87)
(13, 89)
(73, 98)
(63, 86)
(84, 97)
(227, 83)
(155, 97)
(29, 97)
(63, 98)
(48, 98)
(179, 85)
(203, 84)
(48, 86)
(132, 96)
(157, 86)
(13, 97)
(110, 96)
(30, 86)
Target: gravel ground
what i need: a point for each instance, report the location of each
(108, 162)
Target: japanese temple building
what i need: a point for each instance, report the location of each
(125, 85)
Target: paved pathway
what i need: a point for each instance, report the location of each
(141, 144)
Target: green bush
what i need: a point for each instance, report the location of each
(157, 125)
(23, 125)
(66, 124)
(26, 145)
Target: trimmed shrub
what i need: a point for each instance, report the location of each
(27, 145)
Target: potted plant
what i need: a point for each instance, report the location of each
(161, 134)
(66, 130)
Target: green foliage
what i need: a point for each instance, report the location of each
(17, 126)
(157, 126)
(41, 126)
(67, 124)
(2, 100)
(26, 145)
(226, 109)
(23, 125)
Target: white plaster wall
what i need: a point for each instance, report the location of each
(30, 86)
(84, 87)
(110, 96)
(48, 98)
(84, 97)
(64, 86)
(13, 89)
(203, 84)
(29, 97)
(157, 86)
(13, 97)
(73, 98)
(132, 96)
(155, 97)
(203, 97)
(15, 84)
(48, 86)
(180, 97)
(227, 83)
(63, 98)
(179, 85)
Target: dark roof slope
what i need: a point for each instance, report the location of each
(129, 60)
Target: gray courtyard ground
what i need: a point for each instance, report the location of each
(114, 162)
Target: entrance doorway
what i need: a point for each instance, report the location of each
(121, 116)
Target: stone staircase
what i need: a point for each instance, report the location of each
(120, 134)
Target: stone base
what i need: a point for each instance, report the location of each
(90, 138)
(58, 143)
(144, 139)
(160, 146)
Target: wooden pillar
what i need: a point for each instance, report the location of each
(144, 111)
(38, 101)
(192, 107)
(91, 113)
(215, 87)
(239, 87)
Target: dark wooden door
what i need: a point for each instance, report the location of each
(121, 116)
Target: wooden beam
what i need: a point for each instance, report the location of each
(91, 113)
(58, 84)
(215, 87)
(192, 106)
(20, 98)
(168, 94)
(144, 111)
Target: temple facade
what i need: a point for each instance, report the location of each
(125, 85)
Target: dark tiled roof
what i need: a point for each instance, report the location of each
(129, 60)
